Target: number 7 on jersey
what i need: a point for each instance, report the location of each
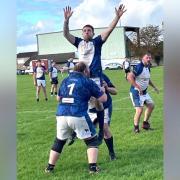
(71, 86)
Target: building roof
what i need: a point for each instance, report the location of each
(58, 58)
(26, 54)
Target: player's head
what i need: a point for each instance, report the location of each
(38, 62)
(82, 68)
(53, 63)
(87, 32)
(70, 60)
(147, 58)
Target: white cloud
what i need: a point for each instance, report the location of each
(143, 12)
(100, 13)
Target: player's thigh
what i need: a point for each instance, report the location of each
(148, 101)
(83, 126)
(137, 100)
(63, 130)
(43, 83)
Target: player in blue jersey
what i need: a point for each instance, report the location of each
(73, 96)
(140, 80)
(53, 75)
(39, 79)
(108, 138)
(89, 51)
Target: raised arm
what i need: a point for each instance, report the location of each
(119, 12)
(67, 14)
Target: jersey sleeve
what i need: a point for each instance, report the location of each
(138, 69)
(99, 40)
(77, 41)
(107, 80)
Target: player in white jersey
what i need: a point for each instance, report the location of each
(89, 51)
(53, 75)
(126, 67)
(140, 80)
(39, 79)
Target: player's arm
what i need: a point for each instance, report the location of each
(119, 12)
(67, 14)
(111, 89)
(131, 79)
(153, 86)
(58, 98)
(102, 98)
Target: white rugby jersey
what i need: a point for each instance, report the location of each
(142, 75)
(90, 53)
(54, 72)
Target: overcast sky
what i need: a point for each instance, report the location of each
(42, 16)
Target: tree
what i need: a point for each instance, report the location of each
(150, 38)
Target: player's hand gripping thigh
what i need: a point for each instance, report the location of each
(99, 105)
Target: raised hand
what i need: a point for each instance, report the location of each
(120, 11)
(67, 12)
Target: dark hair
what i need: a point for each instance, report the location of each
(38, 60)
(80, 67)
(88, 25)
(148, 53)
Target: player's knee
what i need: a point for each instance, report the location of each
(106, 128)
(58, 145)
(151, 106)
(139, 110)
(107, 133)
(92, 143)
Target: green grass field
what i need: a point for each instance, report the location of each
(140, 156)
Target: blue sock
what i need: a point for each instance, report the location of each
(100, 117)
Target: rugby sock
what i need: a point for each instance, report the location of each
(100, 117)
(51, 93)
(109, 144)
(55, 93)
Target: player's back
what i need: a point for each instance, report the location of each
(75, 92)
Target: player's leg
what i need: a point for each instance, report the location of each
(92, 154)
(137, 117)
(54, 154)
(149, 108)
(100, 118)
(63, 132)
(38, 88)
(108, 138)
(138, 103)
(44, 89)
(55, 89)
(85, 130)
(52, 89)
(100, 112)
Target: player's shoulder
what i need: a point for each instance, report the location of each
(137, 70)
